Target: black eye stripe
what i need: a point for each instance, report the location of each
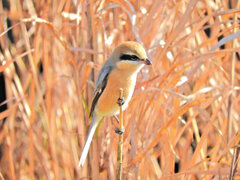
(129, 57)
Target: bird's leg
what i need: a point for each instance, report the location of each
(116, 118)
(117, 130)
(120, 103)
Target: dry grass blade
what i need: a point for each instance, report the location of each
(226, 39)
(235, 161)
(7, 112)
(161, 131)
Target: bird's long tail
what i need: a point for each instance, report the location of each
(91, 131)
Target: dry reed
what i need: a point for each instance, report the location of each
(183, 119)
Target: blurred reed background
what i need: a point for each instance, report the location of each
(183, 120)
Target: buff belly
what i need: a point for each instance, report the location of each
(107, 103)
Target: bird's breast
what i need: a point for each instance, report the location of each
(107, 103)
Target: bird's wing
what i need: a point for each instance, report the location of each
(100, 86)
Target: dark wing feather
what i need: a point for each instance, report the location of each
(99, 90)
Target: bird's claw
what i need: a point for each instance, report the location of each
(118, 131)
(121, 101)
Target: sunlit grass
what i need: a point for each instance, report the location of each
(183, 119)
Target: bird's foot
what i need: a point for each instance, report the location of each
(121, 101)
(118, 131)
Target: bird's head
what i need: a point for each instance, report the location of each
(130, 55)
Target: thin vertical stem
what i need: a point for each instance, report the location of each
(120, 143)
(235, 158)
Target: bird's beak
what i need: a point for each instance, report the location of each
(147, 62)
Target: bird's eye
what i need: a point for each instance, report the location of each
(129, 57)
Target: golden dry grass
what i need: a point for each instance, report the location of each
(183, 120)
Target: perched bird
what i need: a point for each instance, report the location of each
(119, 71)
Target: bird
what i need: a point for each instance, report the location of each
(119, 71)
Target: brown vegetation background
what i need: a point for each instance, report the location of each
(183, 120)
